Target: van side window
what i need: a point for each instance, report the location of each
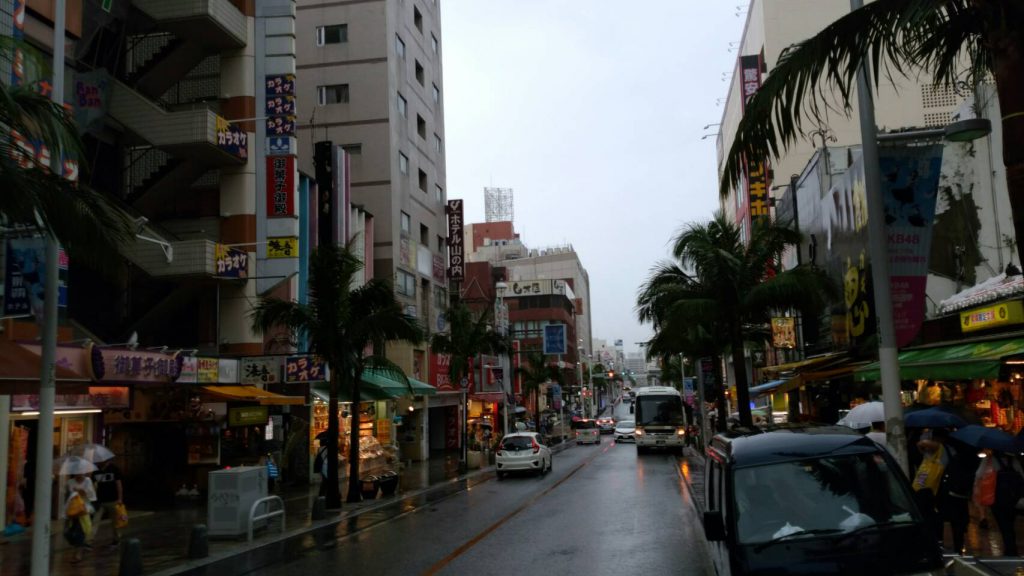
(711, 496)
(722, 504)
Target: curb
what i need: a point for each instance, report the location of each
(689, 486)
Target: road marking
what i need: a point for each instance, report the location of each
(487, 531)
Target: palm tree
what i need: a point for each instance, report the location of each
(86, 222)
(341, 322)
(468, 336)
(735, 287)
(947, 38)
(535, 374)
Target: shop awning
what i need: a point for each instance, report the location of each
(965, 361)
(775, 386)
(397, 388)
(378, 386)
(254, 394)
(806, 363)
(20, 368)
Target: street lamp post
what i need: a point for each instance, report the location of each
(501, 321)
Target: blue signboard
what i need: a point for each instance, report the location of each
(554, 339)
(25, 279)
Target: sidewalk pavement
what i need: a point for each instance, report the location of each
(164, 535)
(983, 538)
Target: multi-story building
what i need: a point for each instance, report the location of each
(824, 197)
(370, 80)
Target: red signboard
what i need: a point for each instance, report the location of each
(280, 186)
(439, 365)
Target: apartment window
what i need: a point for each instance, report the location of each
(440, 298)
(419, 72)
(424, 235)
(421, 127)
(423, 181)
(438, 194)
(433, 43)
(437, 94)
(417, 18)
(437, 143)
(332, 94)
(403, 163)
(402, 105)
(399, 46)
(440, 244)
(405, 283)
(352, 148)
(336, 34)
(406, 222)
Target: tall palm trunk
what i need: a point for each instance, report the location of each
(739, 366)
(354, 493)
(333, 493)
(1008, 69)
(723, 412)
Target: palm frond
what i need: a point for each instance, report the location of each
(891, 37)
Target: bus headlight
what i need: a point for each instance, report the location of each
(680, 431)
(639, 432)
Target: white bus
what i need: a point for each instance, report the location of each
(660, 423)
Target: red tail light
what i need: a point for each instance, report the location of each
(536, 447)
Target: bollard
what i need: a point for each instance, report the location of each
(198, 542)
(131, 558)
(320, 508)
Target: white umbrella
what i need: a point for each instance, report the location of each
(863, 415)
(72, 465)
(92, 452)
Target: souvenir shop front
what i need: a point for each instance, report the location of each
(980, 379)
(383, 408)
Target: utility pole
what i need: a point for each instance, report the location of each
(47, 374)
(888, 359)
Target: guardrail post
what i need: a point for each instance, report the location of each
(131, 558)
(198, 544)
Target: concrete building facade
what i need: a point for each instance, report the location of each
(370, 81)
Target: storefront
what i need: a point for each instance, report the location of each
(378, 418)
(981, 378)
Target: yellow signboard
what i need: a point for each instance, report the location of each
(284, 247)
(784, 332)
(994, 316)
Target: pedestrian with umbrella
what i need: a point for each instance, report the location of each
(109, 493)
(78, 505)
(1001, 468)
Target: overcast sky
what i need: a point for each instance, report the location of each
(593, 112)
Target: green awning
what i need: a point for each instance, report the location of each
(379, 386)
(966, 361)
(395, 387)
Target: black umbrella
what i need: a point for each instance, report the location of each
(933, 418)
(991, 438)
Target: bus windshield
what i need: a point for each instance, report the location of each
(658, 409)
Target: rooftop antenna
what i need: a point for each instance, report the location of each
(499, 205)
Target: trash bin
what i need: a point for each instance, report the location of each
(388, 483)
(369, 486)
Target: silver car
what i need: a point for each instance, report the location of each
(624, 431)
(587, 431)
(522, 452)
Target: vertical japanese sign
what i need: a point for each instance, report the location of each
(910, 181)
(756, 168)
(280, 186)
(25, 279)
(18, 33)
(280, 118)
(456, 245)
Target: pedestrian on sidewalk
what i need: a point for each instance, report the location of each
(77, 511)
(320, 462)
(927, 480)
(109, 495)
(1008, 490)
(955, 490)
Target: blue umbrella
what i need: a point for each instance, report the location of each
(982, 437)
(933, 418)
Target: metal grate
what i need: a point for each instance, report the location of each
(938, 96)
(142, 48)
(936, 119)
(202, 84)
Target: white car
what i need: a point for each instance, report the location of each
(522, 452)
(588, 432)
(625, 430)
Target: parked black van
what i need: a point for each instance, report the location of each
(812, 500)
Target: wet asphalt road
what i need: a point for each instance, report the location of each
(602, 510)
